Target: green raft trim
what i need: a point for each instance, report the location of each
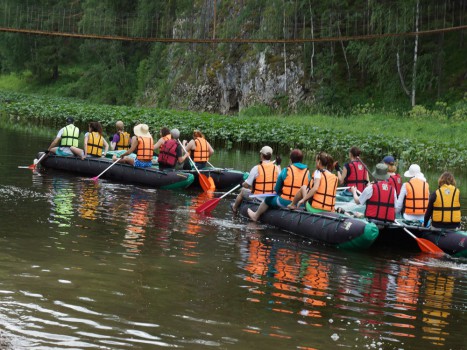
(182, 184)
(365, 240)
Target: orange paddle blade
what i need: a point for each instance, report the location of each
(207, 183)
(425, 245)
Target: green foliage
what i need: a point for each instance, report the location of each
(433, 144)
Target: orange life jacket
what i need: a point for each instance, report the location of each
(95, 144)
(325, 197)
(266, 179)
(145, 148)
(416, 200)
(201, 152)
(295, 179)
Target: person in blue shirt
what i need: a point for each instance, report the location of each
(289, 182)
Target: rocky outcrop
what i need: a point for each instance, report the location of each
(263, 80)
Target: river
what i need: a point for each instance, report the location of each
(100, 265)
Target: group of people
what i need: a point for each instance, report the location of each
(386, 196)
(137, 150)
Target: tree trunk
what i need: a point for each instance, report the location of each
(312, 68)
(415, 56)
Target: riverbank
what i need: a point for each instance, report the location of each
(428, 139)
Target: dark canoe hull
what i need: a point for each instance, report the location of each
(119, 172)
(329, 228)
(223, 178)
(452, 242)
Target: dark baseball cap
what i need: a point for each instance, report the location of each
(70, 120)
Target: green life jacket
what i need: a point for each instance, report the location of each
(70, 136)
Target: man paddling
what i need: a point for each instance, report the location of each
(379, 197)
(171, 152)
(261, 179)
(67, 139)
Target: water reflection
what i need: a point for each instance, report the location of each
(62, 202)
(89, 199)
(135, 232)
(381, 301)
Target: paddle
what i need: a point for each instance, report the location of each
(207, 184)
(33, 166)
(111, 165)
(261, 195)
(212, 203)
(425, 245)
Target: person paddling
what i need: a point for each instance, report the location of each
(94, 142)
(67, 139)
(261, 179)
(121, 139)
(394, 179)
(379, 197)
(165, 135)
(200, 149)
(289, 182)
(354, 172)
(143, 144)
(171, 152)
(413, 199)
(444, 207)
(322, 194)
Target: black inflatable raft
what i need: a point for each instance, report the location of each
(452, 242)
(93, 166)
(330, 228)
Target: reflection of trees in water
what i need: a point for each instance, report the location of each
(63, 194)
(384, 301)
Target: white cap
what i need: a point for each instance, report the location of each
(175, 133)
(266, 150)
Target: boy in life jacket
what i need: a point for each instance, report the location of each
(143, 144)
(121, 139)
(444, 207)
(394, 179)
(261, 179)
(67, 139)
(413, 199)
(289, 182)
(94, 142)
(379, 197)
(171, 152)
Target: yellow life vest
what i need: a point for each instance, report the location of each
(416, 200)
(124, 141)
(266, 179)
(295, 179)
(447, 206)
(69, 136)
(95, 144)
(325, 197)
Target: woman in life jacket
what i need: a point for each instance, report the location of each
(444, 208)
(171, 152)
(379, 198)
(289, 182)
(394, 179)
(322, 194)
(200, 150)
(143, 144)
(354, 172)
(121, 139)
(94, 141)
(413, 198)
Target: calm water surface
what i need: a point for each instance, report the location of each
(112, 266)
